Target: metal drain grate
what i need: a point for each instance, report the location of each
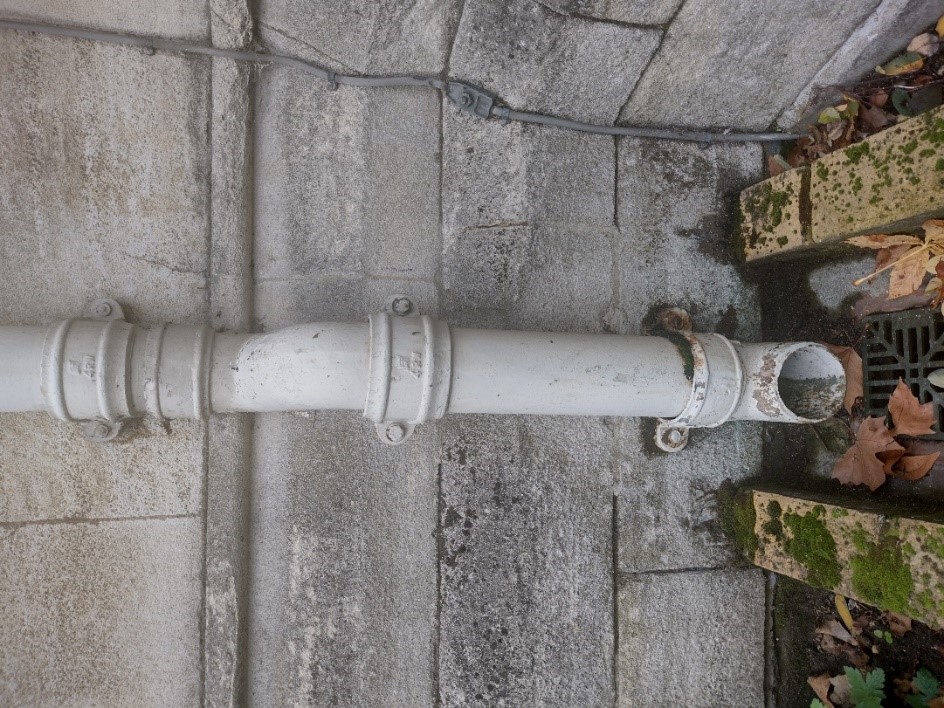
(907, 345)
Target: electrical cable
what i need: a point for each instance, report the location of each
(465, 96)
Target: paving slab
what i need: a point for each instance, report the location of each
(714, 67)
(343, 606)
(401, 36)
(526, 585)
(885, 32)
(179, 19)
(691, 637)
(103, 613)
(637, 12)
(539, 60)
(347, 181)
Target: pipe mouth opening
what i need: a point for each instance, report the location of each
(812, 383)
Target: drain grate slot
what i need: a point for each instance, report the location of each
(907, 345)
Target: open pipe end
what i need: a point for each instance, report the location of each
(797, 382)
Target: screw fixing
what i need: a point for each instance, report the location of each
(395, 432)
(401, 306)
(102, 309)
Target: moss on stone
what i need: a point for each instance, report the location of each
(811, 544)
(738, 518)
(773, 526)
(857, 151)
(881, 577)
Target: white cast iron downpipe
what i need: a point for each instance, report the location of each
(402, 370)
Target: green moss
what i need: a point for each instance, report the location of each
(881, 577)
(909, 147)
(927, 152)
(811, 544)
(857, 185)
(939, 165)
(821, 170)
(856, 152)
(860, 539)
(773, 526)
(737, 518)
(838, 512)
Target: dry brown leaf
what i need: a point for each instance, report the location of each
(852, 365)
(835, 629)
(860, 465)
(884, 240)
(914, 467)
(924, 44)
(821, 685)
(933, 230)
(889, 459)
(939, 27)
(909, 415)
(887, 256)
(874, 118)
(908, 273)
(842, 691)
(899, 624)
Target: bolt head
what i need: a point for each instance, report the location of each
(103, 309)
(674, 436)
(401, 306)
(99, 431)
(466, 99)
(395, 432)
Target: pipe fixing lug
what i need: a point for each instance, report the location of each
(101, 431)
(104, 310)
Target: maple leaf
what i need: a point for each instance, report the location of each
(860, 464)
(908, 272)
(909, 415)
(913, 467)
(852, 365)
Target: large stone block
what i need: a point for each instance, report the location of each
(343, 605)
(714, 67)
(183, 19)
(103, 613)
(103, 185)
(691, 639)
(497, 176)
(347, 181)
(676, 211)
(543, 277)
(526, 585)
(539, 60)
(398, 37)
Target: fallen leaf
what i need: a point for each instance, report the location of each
(834, 629)
(933, 230)
(852, 365)
(877, 241)
(879, 99)
(909, 415)
(914, 467)
(860, 465)
(874, 118)
(889, 459)
(842, 690)
(924, 44)
(843, 609)
(902, 64)
(939, 27)
(899, 624)
(887, 256)
(777, 165)
(852, 655)
(828, 115)
(908, 273)
(936, 378)
(821, 685)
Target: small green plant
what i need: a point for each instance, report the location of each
(927, 687)
(884, 635)
(817, 703)
(866, 691)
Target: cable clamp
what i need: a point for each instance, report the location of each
(332, 81)
(470, 98)
(503, 112)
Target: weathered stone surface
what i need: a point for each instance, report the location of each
(874, 553)
(891, 181)
(691, 636)
(885, 31)
(675, 212)
(231, 23)
(498, 176)
(344, 564)
(667, 511)
(775, 214)
(637, 12)
(714, 67)
(401, 36)
(348, 181)
(101, 613)
(526, 583)
(544, 277)
(107, 189)
(536, 59)
(185, 19)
